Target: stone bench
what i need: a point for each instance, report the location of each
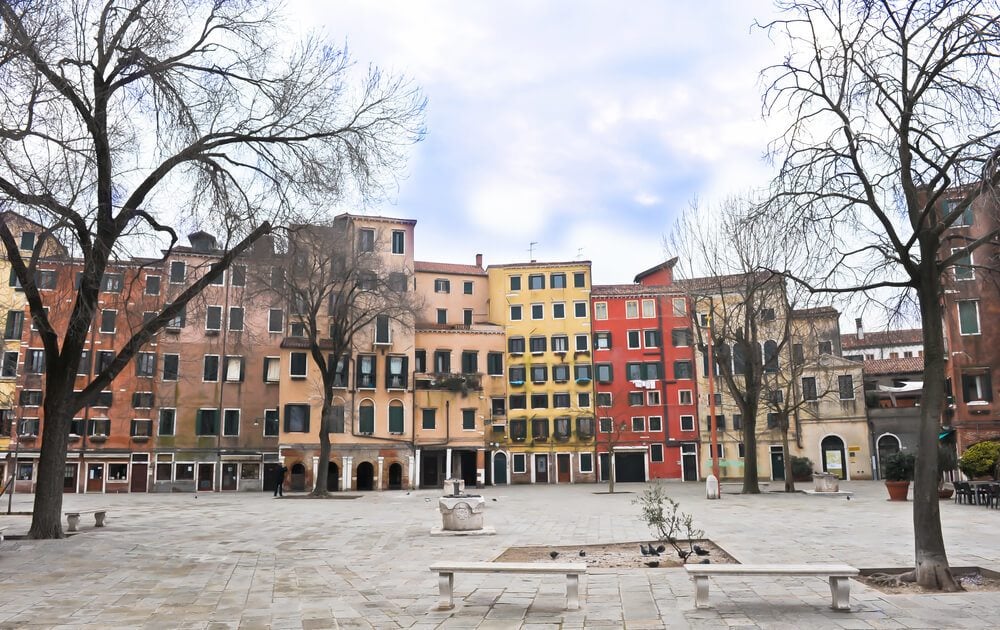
(73, 518)
(446, 576)
(838, 574)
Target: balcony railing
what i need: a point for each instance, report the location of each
(455, 382)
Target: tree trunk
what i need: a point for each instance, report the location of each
(611, 470)
(46, 517)
(751, 483)
(786, 457)
(932, 570)
(323, 468)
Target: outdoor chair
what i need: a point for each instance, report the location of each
(964, 493)
(993, 495)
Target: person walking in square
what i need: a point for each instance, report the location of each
(279, 490)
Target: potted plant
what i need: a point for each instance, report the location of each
(947, 463)
(980, 460)
(898, 474)
(802, 468)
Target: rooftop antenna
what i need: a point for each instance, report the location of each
(579, 253)
(531, 250)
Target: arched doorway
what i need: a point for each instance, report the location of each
(298, 477)
(366, 476)
(395, 477)
(834, 460)
(332, 477)
(499, 468)
(887, 445)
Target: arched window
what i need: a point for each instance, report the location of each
(395, 417)
(739, 358)
(366, 417)
(771, 356)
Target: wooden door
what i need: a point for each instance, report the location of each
(541, 468)
(563, 468)
(206, 477)
(229, 476)
(95, 477)
(140, 472)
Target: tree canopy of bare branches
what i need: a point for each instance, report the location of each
(124, 118)
(891, 108)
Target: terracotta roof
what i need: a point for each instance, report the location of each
(612, 290)
(482, 329)
(375, 217)
(436, 267)
(906, 365)
(719, 283)
(534, 264)
(880, 338)
(663, 265)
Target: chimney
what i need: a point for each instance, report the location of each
(861, 329)
(479, 260)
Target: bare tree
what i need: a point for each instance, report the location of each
(340, 289)
(893, 109)
(119, 118)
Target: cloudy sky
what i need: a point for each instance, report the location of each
(582, 126)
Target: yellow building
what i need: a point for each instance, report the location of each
(545, 310)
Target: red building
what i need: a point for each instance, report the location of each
(644, 379)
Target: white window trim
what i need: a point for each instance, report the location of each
(263, 428)
(649, 425)
(979, 324)
(971, 267)
(281, 325)
(524, 463)
(610, 396)
(691, 427)
(554, 304)
(159, 417)
(853, 387)
(229, 323)
(170, 272)
(652, 459)
(649, 398)
(575, 303)
(673, 307)
(642, 308)
(599, 423)
(239, 422)
(207, 309)
(680, 397)
(520, 315)
(218, 367)
(238, 358)
(305, 374)
(628, 341)
(531, 311)
(642, 425)
(598, 308)
(392, 242)
(146, 284)
(275, 360)
(115, 321)
(638, 313)
(583, 470)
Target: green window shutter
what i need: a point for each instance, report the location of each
(396, 419)
(366, 420)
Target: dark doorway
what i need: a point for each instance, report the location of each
(431, 465)
(499, 468)
(834, 460)
(366, 476)
(69, 478)
(467, 461)
(395, 477)
(689, 462)
(777, 464)
(887, 445)
(605, 467)
(541, 468)
(563, 467)
(206, 477)
(272, 473)
(139, 475)
(630, 467)
(332, 477)
(95, 477)
(229, 476)
(298, 481)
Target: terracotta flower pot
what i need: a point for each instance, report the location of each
(897, 490)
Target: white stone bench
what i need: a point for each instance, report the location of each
(446, 576)
(838, 574)
(73, 518)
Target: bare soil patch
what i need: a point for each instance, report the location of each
(972, 579)
(615, 555)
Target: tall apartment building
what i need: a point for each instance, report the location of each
(545, 311)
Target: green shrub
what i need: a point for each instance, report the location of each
(980, 459)
(802, 467)
(899, 466)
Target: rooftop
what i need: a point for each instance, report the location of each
(436, 267)
(906, 365)
(881, 338)
(612, 290)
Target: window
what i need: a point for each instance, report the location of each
(720, 422)
(145, 364)
(557, 281)
(536, 282)
(218, 280)
(537, 311)
(771, 363)
(518, 401)
(963, 269)
(271, 422)
(468, 419)
(600, 310)
(442, 316)
(540, 428)
(809, 388)
(519, 462)
(537, 344)
(767, 314)
(638, 424)
(583, 400)
(171, 363)
(111, 282)
(494, 363)
(515, 283)
(238, 275)
(586, 462)
(99, 426)
(104, 359)
(845, 383)
(428, 419)
(580, 280)
(603, 399)
(420, 361)
(467, 316)
(13, 280)
(776, 397)
(631, 309)
(687, 423)
(560, 400)
(277, 281)
(382, 330)
(539, 373)
(467, 287)
(178, 271)
(633, 339)
(651, 338)
(602, 340)
(231, 422)
(236, 318)
(582, 343)
(684, 397)
(108, 320)
(366, 240)
(826, 347)
(398, 242)
(682, 370)
(968, 317)
(179, 319)
(798, 354)
(656, 452)
(397, 282)
(579, 309)
(297, 364)
(558, 310)
(210, 374)
(168, 417)
(976, 386)
(737, 421)
(773, 422)
(539, 401)
(234, 369)
(560, 373)
(207, 422)
(28, 242)
(275, 320)
(31, 397)
(396, 372)
(45, 279)
(680, 337)
(635, 399)
(366, 371)
(649, 308)
(297, 418)
(606, 425)
(604, 373)
(15, 324)
(341, 371)
(679, 306)
(516, 374)
(582, 372)
(213, 318)
(442, 361)
(442, 285)
(367, 280)
(27, 426)
(34, 361)
(516, 313)
(9, 369)
(653, 398)
(470, 362)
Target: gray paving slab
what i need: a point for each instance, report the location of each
(248, 561)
